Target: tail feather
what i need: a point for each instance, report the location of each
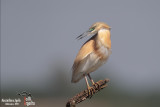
(76, 78)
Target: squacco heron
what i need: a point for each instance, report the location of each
(93, 52)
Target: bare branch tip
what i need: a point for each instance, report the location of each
(87, 93)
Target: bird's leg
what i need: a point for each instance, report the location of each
(86, 82)
(91, 79)
(90, 89)
(93, 83)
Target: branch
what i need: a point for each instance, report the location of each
(87, 94)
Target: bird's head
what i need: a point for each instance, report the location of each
(93, 30)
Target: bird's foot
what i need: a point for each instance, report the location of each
(91, 91)
(97, 85)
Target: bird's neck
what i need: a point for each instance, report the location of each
(103, 38)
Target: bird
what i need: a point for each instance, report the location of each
(93, 53)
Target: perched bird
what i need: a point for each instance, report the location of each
(93, 52)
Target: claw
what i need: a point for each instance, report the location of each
(91, 91)
(97, 86)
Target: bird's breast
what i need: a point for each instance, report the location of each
(103, 53)
(103, 38)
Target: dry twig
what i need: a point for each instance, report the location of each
(86, 94)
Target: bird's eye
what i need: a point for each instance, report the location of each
(91, 29)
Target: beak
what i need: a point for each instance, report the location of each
(87, 33)
(83, 35)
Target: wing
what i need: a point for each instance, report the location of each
(81, 60)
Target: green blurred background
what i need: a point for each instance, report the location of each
(38, 47)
